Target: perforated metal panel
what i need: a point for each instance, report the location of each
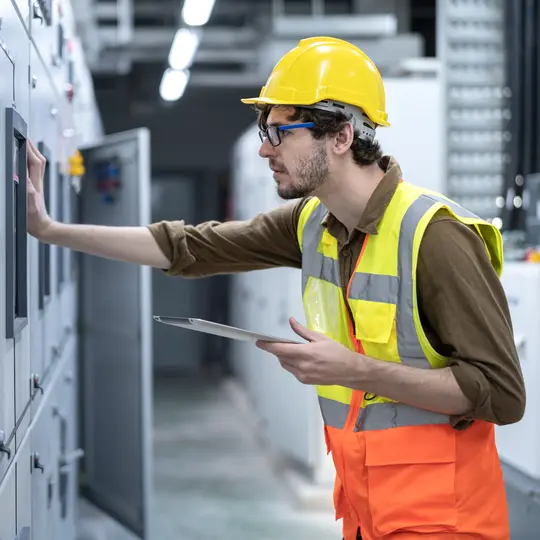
(471, 45)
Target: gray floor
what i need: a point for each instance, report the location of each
(213, 480)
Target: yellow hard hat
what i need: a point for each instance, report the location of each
(326, 68)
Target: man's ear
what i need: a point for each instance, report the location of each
(344, 139)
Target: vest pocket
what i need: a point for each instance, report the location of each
(411, 479)
(374, 321)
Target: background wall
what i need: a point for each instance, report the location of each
(196, 133)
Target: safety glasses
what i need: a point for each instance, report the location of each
(273, 133)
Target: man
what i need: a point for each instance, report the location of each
(410, 344)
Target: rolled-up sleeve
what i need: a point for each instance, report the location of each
(464, 304)
(268, 240)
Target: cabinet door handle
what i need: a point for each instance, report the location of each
(16, 224)
(36, 462)
(3, 448)
(36, 12)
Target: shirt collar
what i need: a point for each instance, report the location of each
(376, 205)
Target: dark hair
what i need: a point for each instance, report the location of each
(364, 152)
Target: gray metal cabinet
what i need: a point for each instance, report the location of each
(45, 454)
(45, 132)
(49, 32)
(116, 338)
(22, 7)
(69, 454)
(24, 489)
(36, 249)
(46, 95)
(16, 127)
(8, 506)
(14, 332)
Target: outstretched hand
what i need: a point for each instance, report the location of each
(38, 218)
(321, 361)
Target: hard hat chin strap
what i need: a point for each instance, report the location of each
(356, 116)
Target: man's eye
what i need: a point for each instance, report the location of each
(286, 132)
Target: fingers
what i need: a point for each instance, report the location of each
(291, 368)
(291, 358)
(31, 148)
(34, 154)
(36, 164)
(31, 145)
(275, 347)
(30, 186)
(306, 333)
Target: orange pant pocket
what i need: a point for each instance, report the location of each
(411, 479)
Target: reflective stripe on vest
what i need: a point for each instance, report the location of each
(397, 290)
(378, 415)
(315, 264)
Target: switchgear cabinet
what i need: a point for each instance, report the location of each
(52, 374)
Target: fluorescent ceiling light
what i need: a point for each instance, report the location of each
(197, 12)
(183, 48)
(173, 84)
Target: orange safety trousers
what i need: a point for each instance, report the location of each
(419, 482)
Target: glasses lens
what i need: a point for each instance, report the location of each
(273, 135)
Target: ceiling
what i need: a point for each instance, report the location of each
(122, 35)
(128, 41)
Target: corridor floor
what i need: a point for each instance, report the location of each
(213, 480)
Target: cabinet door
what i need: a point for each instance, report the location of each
(13, 237)
(14, 106)
(116, 318)
(8, 506)
(64, 508)
(43, 438)
(24, 491)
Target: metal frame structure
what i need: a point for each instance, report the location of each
(242, 38)
(523, 75)
(471, 43)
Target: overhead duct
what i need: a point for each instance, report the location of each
(340, 26)
(244, 56)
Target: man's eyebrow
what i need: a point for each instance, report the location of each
(276, 124)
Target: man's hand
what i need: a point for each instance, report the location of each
(321, 361)
(38, 218)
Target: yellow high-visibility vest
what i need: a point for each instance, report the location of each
(382, 298)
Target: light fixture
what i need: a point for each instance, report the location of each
(183, 48)
(173, 84)
(197, 12)
(497, 222)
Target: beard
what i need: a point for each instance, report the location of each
(310, 173)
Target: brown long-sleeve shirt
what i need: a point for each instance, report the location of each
(462, 304)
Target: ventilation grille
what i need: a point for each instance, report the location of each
(471, 41)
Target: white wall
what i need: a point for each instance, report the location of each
(415, 136)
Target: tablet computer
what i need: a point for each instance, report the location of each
(217, 329)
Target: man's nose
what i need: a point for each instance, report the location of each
(267, 150)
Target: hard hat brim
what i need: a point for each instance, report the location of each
(269, 101)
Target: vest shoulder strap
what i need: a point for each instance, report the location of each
(308, 209)
(489, 233)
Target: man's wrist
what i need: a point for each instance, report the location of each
(361, 367)
(48, 231)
